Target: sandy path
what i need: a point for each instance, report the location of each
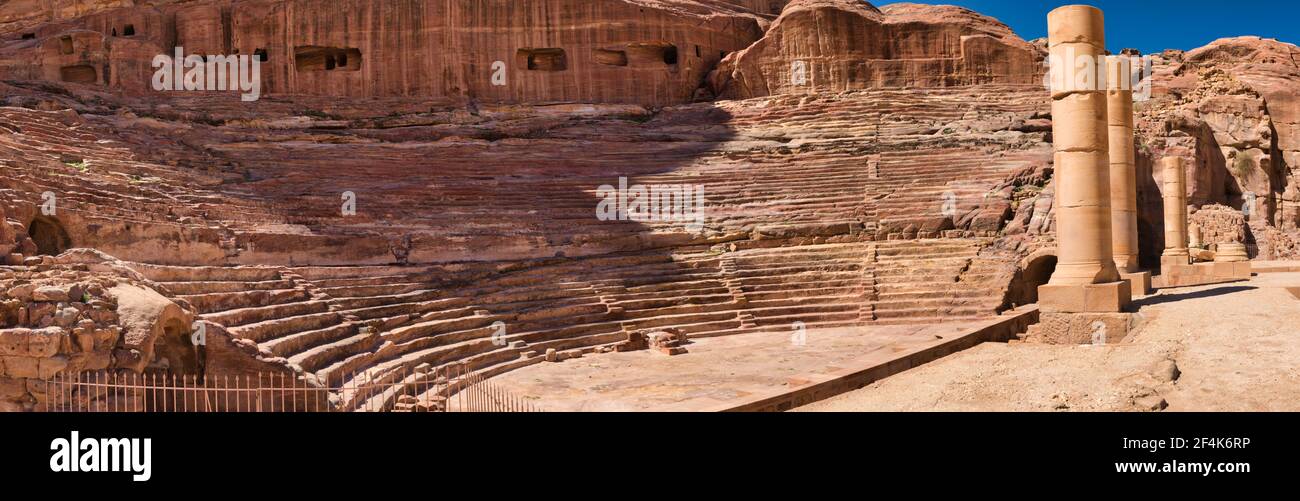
(1236, 347)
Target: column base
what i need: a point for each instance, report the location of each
(1188, 275)
(1177, 260)
(1114, 297)
(1139, 282)
(1081, 328)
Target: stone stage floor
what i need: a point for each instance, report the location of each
(716, 371)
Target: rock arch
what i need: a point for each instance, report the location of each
(1034, 271)
(175, 350)
(49, 235)
(156, 333)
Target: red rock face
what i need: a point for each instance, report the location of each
(901, 182)
(837, 45)
(1257, 126)
(1231, 108)
(652, 52)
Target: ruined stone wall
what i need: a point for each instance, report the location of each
(1216, 224)
(86, 312)
(52, 321)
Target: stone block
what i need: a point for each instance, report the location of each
(1202, 274)
(39, 343)
(12, 389)
(52, 294)
(1139, 282)
(1114, 297)
(1167, 262)
(1081, 127)
(48, 367)
(21, 367)
(1077, 24)
(1084, 328)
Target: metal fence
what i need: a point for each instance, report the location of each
(451, 388)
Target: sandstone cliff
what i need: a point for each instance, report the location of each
(837, 45)
(653, 52)
(1231, 107)
(906, 182)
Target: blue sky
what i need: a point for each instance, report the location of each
(1153, 25)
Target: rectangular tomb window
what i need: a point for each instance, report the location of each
(29, 36)
(81, 73)
(65, 45)
(653, 53)
(611, 57)
(313, 58)
(546, 59)
(129, 30)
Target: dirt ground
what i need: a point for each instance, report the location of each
(1232, 347)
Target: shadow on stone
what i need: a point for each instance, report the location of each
(1170, 298)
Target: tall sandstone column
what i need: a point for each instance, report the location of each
(1123, 177)
(1175, 195)
(1123, 174)
(1086, 279)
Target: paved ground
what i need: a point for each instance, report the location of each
(715, 370)
(1236, 347)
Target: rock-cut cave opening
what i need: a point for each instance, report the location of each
(50, 237)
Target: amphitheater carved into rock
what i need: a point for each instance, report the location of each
(604, 204)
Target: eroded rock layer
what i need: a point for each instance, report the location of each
(398, 212)
(1231, 109)
(613, 51)
(836, 45)
(871, 206)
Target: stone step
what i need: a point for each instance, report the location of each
(286, 346)
(160, 273)
(939, 293)
(432, 328)
(777, 327)
(682, 309)
(787, 320)
(200, 288)
(416, 309)
(723, 296)
(829, 294)
(270, 329)
(322, 356)
(950, 312)
(323, 273)
(359, 291)
(255, 314)
(354, 303)
(696, 290)
(793, 310)
(225, 301)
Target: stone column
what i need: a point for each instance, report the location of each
(1086, 279)
(1123, 177)
(1123, 174)
(1175, 195)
